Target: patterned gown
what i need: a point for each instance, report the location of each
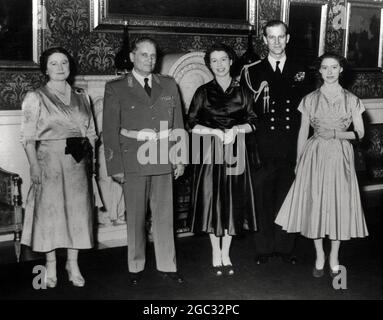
(324, 199)
(58, 211)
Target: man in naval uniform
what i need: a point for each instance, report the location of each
(278, 85)
(140, 103)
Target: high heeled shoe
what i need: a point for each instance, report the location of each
(319, 273)
(333, 273)
(50, 282)
(217, 270)
(228, 270)
(76, 279)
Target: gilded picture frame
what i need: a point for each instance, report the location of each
(364, 34)
(307, 21)
(34, 21)
(156, 16)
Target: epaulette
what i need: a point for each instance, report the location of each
(118, 78)
(164, 75)
(263, 87)
(247, 66)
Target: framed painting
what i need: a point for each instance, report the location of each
(364, 34)
(225, 16)
(20, 33)
(307, 21)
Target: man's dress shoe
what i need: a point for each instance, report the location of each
(135, 277)
(174, 276)
(288, 258)
(261, 259)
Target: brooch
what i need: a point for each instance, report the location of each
(300, 76)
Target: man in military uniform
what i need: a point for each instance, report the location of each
(135, 105)
(278, 85)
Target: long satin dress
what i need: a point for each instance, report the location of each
(221, 198)
(324, 199)
(58, 212)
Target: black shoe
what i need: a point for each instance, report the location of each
(261, 259)
(318, 273)
(288, 258)
(217, 270)
(174, 276)
(228, 270)
(135, 277)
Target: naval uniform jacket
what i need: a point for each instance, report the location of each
(276, 108)
(127, 106)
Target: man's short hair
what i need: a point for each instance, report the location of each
(274, 23)
(136, 42)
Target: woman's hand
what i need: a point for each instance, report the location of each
(179, 171)
(35, 172)
(326, 134)
(229, 135)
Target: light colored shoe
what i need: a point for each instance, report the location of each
(76, 279)
(50, 282)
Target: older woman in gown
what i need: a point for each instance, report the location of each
(58, 134)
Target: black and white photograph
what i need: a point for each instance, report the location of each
(191, 157)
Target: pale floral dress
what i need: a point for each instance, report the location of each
(58, 212)
(324, 199)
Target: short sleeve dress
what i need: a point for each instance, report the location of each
(58, 212)
(324, 199)
(221, 198)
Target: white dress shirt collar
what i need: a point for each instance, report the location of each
(141, 78)
(273, 62)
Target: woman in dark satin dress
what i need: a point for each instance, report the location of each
(221, 116)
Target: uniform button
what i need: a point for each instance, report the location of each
(132, 107)
(287, 110)
(272, 110)
(287, 127)
(272, 128)
(287, 118)
(153, 118)
(272, 119)
(287, 101)
(273, 102)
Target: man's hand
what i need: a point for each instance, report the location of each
(119, 177)
(179, 170)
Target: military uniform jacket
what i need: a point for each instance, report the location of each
(127, 106)
(276, 108)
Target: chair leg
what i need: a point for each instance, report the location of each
(17, 245)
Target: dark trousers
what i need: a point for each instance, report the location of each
(272, 183)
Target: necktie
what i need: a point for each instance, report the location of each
(277, 70)
(147, 88)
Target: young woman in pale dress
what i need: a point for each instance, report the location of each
(59, 206)
(324, 199)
